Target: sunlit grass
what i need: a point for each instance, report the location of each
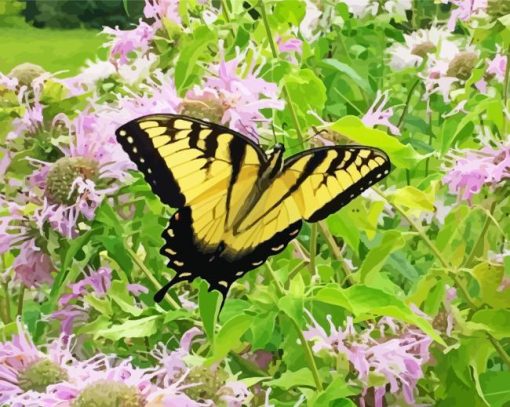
(54, 50)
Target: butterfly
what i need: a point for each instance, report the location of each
(238, 205)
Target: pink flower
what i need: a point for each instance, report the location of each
(32, 266)
(474, 169)
(172, 363)
(240, 99)
(7, 82)
(234, 394)
(497, 67)
(159, 9)
(377, 114)
(26, 372)
(124, 42)
(93, 167)
(290, 45)
(397, 359)
(465, 10)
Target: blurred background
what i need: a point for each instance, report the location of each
(59, 33)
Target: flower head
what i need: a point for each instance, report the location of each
(26, 372)
(465, 10)
(125, 42)
(238, 99)
(497, 67)
(377, 114)
(397, 358)
(76, 184)
(474, 169)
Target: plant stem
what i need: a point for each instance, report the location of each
(306, 348)
(7, 301)
(479, 241)
(408, 100)
(335, 251)
(286, 93)
(418, 229)
(313, 247)
(499, 348)
(21, 298)
(224, 10)
(149, 275)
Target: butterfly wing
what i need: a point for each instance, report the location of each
(190, 162)
(312, 185)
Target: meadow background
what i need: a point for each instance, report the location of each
(400, 299)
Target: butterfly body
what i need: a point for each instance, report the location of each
(236, 204)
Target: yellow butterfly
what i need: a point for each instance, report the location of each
(238, 205)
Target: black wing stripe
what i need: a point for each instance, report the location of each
(141, 151)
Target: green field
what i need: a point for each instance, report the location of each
(54, 50)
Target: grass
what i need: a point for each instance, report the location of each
(55, 50)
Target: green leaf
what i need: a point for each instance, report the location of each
(229, 336)
(337, 390)
(100, 304)
(411, 197)
(489, 277)
(362, 300)
(119, 293)
(306, 91)
(289, 12)
(496, 321)
(132, 328)
(288, 379)
(401, 155)
(293, 308)
(262, 329)
(347, 70)
(209, 307)
(392, 240)
(187, 68)
(496, 388)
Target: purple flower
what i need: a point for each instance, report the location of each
(160, 9)
(8, 82)
(32, 266)
(465, 10)
(234, 394)
(172, 363)
(76, 184)
(473, 169)
(290, 45)
(377, 114)
(397, 359)
(124, 42)
(26, 372)
(239, 99)
(497, 67)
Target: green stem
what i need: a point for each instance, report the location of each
(21, 298)
(313, 247)
(224, 10)
(306, 348)
(499, 348)
(418, 229)
(335, 250)
(408, 101)
(286, 93)
(153, 279)
(7, 301)
(479, 241)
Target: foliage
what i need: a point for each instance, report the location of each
(400, 298)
